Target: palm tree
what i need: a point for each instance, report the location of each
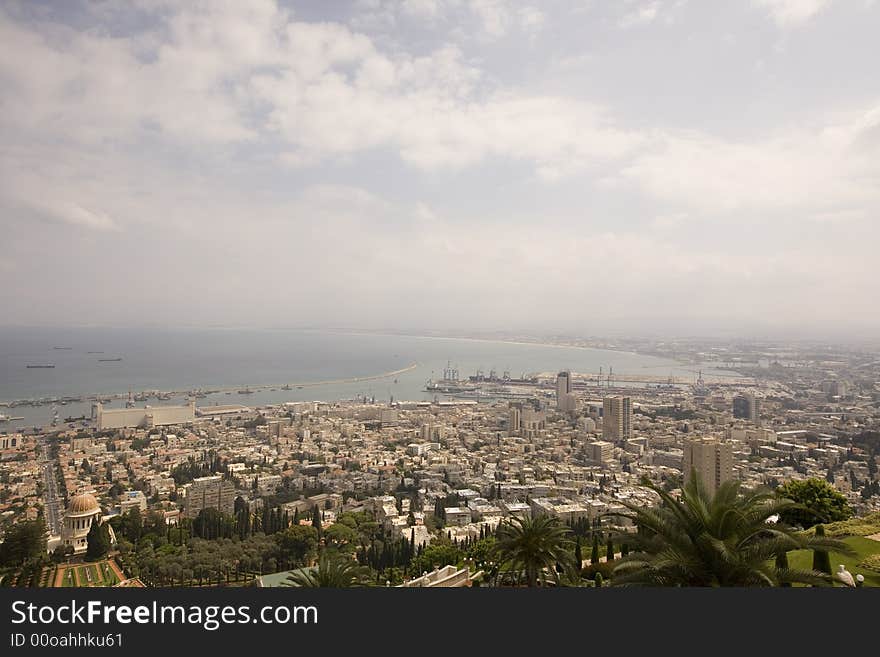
(331, 572)
(729, 539)
(533, 547)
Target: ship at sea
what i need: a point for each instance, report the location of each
(47, 366)
(109, 360)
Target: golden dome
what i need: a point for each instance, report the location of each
(83, 504)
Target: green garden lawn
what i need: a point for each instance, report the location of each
(863, 547)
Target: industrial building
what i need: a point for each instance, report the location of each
(142, 418)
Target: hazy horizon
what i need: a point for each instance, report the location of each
(661, 167)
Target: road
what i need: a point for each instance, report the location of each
(52, 501)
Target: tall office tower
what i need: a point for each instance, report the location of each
(563, 388)
(747, 407)
(617, 418)
(711, 459)
(212, 492)
(514, 419)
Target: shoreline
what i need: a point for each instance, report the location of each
(220, 390)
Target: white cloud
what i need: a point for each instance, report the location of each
(791, 13)
(641, 15)
(817, 170)
(531, 19)
(251, 147)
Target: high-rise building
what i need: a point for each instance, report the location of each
(711, 459)
(533, 422)
(747, 407)
(514, 419)
(617, 418)
(563, 388)
(210, 493)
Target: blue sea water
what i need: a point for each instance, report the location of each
(184, 359)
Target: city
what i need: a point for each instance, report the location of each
(424, 493)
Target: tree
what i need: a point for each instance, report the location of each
(340, 537)
(609, 551)
(61, 553)
(133, 525)
(24, 541)
(727, 539)
(316, 519)
(817, 501)
(533, 546)
(598, 579)
(594, 555)
(436, 555)
(782, 565)
(98, 541)
(331, 572)
(578, 555)
(297, 544)
(821, 558)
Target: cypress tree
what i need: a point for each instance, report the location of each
(316, 520)
(624, 549)
(594, 555)
(782, 564)
(578, 555)
(609, 552)
(821, 558)
(98, 540)
(598, 579)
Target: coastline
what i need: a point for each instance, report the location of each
(534, 343)
(224, 390)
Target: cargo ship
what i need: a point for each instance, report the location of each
(109, 360)
(47, 366)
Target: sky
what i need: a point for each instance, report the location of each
(594, 166)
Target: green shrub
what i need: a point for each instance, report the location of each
(871, 562)
(863, 526)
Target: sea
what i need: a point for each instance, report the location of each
(113, 361)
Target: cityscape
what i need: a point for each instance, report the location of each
(390, 294)
(426, 493)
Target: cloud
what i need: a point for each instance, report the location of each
(642, 15)
(792, 13)
(331, 171)
(816, 170)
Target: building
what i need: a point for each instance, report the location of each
(514, 419)
(456, 515)
(533, 422)
(600, 451)
(81, 512)
(563, 390)
(747, 407)
(226, 410)
(561, 508)
(132, 499)
(446, 577)
(210, 493)
(11, 442)
(711, 459)
(142, 418)
(617, 418)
